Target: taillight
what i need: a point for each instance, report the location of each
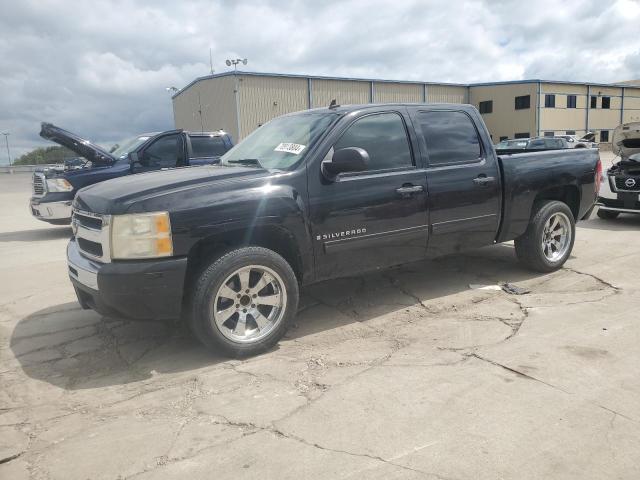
(598, 176)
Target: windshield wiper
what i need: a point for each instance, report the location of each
(252, 162)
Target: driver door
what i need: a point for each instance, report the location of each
(375, 218)
(165, 152)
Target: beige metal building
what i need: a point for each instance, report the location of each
(213, 102)
(240, 102)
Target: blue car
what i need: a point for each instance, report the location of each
(54, 190)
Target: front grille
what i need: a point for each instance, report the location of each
(92, 248)
(39, 184)
(93, 223)
(92, 234)
(621, 183)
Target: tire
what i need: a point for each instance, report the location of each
(535, 248)
(607, 214)
(246, 324)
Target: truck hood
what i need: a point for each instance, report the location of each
(626, 139)
(95, 154)
(117, 195)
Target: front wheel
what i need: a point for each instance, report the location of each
(548, 240)
(244, 301)
(607, 214)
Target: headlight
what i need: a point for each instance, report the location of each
(58, 185)
(141, 235)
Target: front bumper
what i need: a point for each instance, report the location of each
(617, 201)
(141, 290)
(48, 211)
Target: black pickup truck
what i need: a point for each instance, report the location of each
(313, 196)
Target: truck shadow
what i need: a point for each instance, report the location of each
(76, 349)
(38, 235)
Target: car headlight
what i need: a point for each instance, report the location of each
(58, 185)
(141, 235)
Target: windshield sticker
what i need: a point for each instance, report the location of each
(294, 148)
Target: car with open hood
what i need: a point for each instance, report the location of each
(620, 189)
(54, 189)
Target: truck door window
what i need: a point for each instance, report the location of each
(207, 146)
(383, 136)
(451, 137)
(163, 153)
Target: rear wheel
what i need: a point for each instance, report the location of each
(244, 301)
(548, 241)
(607, 214)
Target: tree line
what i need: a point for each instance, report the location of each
(43, 155)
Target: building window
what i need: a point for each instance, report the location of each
(503, 138)
(606, 102)
(486, 107)
(523, 102)
(570, 132)
(594, 101)
(571, 101)
(550, 101)
(604, 135)
(549, 134)
(522, 135)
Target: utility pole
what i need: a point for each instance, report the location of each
(235, 90)
(6, 139)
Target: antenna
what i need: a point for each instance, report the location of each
(210, 61)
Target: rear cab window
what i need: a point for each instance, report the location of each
(383, 136)
(450, 136)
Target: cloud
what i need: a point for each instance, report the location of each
(100, 68)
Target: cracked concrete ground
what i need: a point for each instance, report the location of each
(406, 373)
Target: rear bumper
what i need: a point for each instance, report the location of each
(48, 211)
(141, 290)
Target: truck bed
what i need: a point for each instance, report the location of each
(526, 174)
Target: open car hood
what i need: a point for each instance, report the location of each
(95, 154)
(626, 139)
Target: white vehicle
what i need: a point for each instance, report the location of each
(620, 187)
(583, 142)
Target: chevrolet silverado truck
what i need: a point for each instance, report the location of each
(620, 190)
(54, 190)
(313, 196)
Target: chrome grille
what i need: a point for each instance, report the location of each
(92, 234)
(39, 184)
(627, 184)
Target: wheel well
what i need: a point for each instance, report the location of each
(581, 146)
(271, 237)
(568, 194)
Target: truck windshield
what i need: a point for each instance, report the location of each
(121, 149)
(281, 143)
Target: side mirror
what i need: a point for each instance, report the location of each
(350, 159)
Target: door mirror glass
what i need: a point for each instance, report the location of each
(349, 159)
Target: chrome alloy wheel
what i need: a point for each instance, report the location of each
(249, 304)
(556, 237)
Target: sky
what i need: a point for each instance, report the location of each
(101, 68)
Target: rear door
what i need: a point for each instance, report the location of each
(205, 149)
(463, 180)
(376, 218)
(166, 151)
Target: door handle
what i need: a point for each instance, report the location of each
(408, 190)
(483, 180)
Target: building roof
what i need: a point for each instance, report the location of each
(627, 83)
